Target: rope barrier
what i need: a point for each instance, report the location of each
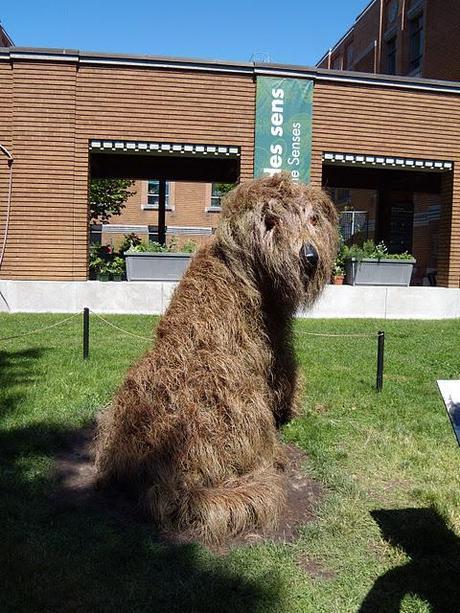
(109, 323)
(58, 323)
(380, 337)
(363, 335)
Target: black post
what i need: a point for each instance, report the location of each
(380, 352)
(85, 333)
(162, 212)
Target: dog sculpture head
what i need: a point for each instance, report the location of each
(281, 232)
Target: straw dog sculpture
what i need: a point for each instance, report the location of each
(194, 425)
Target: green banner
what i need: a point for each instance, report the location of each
(283, 127)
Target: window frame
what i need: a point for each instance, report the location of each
(416, 33)
(153, 206)
(212, 206)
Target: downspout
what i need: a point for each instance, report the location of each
(10, 158)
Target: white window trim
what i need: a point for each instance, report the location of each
(155, 207)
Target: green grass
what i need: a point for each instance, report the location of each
(391, 454)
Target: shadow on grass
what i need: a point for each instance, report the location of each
(434, 568)
(17, 370)
(58, 557)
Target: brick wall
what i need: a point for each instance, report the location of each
(442, 55)
(188, 207)
(442, 42)
(49, 110)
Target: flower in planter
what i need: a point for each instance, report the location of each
(154, 247)
(371, 264)
(369, 250)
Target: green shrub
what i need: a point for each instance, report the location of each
(154, 247)
(370, 250)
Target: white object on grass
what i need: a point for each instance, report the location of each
(450, 392)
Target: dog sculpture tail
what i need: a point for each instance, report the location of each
(211, 514)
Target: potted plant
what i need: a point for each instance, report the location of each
(338, 274)
(101, 269)
(100, 257)
(116, 268)
(338, 270)
(98, 268)
(155, 262)
(371, 264)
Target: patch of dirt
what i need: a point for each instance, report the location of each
(75, 479)
(321, 408)
(314, 569)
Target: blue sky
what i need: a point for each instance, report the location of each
(290, 32)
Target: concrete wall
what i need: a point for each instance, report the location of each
(153, 298)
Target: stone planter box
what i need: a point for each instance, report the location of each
(379, 272)
(148, 266)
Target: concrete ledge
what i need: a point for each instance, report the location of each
(141, 297)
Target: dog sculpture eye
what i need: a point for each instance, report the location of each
(314, 220)
(270, 221)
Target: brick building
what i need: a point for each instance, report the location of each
(67, 115)
(401, 37)
(416, 38)
(192, 213)
(5, 40)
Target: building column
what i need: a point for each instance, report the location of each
(449, 232)
(162, 212)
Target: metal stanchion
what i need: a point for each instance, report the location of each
(380, 353)
(85, 333)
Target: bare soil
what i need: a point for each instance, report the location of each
(75, 488)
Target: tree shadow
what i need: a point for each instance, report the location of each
(17, 369)
(59, 557)
(433, 571)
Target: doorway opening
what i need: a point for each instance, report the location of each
(173, 194)
(391, 200)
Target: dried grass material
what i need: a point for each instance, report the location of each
(194, 425)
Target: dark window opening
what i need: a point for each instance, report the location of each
(391, 56)
(349, 57)
(416, 42)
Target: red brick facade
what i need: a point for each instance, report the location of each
(55, 106)
(406, 38)
(402, 37)
(5, 40)
(189, 214)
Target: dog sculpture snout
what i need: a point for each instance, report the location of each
(309, 255)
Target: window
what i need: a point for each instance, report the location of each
(349, 56)
(153, 194)
(416, 42)
(217, 193)
(392, 11)
(391, 55)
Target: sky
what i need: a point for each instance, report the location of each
(289, 32)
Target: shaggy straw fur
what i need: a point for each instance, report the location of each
(194, 425)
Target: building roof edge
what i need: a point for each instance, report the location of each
(246, 68)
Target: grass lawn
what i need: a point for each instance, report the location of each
(385, 531)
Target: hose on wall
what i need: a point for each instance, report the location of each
(5, 151)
